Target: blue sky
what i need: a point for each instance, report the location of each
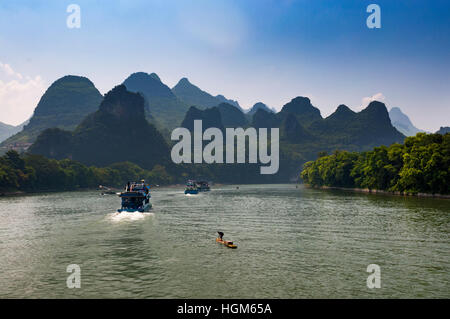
(248, 50)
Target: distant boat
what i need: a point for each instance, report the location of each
(191, 187)
(203, 186)
(106, 190)
(135, 198)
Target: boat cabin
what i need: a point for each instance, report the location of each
(136, 197)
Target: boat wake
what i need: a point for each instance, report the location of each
(127, 216)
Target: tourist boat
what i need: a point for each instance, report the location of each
(135, 198)
(203, 186)
(191, 187)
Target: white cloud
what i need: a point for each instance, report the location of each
(19, 95)
(7, 69)
(376, 97)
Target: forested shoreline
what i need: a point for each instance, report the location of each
(420, 165)
(36, 173)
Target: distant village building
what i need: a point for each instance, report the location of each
(18, 147)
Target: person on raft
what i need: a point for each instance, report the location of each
(220, 235)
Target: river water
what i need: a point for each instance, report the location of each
(292, 243)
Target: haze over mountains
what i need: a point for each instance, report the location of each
(167, 106)
(7, 130)
(194, 96)
(259, 106)
(65, 104)
(301, 123)
(99, 130)
(402, 122)
(304, 132)
(443, 130)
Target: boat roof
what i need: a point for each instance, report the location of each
(132, 194)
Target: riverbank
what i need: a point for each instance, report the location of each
(23, 193)
(15, 193)
(377, 191)
(115, 189)
(53, 190)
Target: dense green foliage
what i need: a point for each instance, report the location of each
(30, 172)
(421, 164)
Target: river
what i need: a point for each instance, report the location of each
(292, 243)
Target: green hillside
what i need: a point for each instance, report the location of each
(64, 105)
(166, 110)
(117, 132)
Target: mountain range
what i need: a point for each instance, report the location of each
(194, 96)
(163, 108)
(132, 122)
(166, 107)
(304, 132)
(116, 132)
(71, 98)
(259, 106)
(443, 130)
(301, 123)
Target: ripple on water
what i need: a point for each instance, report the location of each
(292, 243)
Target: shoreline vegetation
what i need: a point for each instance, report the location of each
(382, 192)
(356, 190)
(29, 173)
(420, 167)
